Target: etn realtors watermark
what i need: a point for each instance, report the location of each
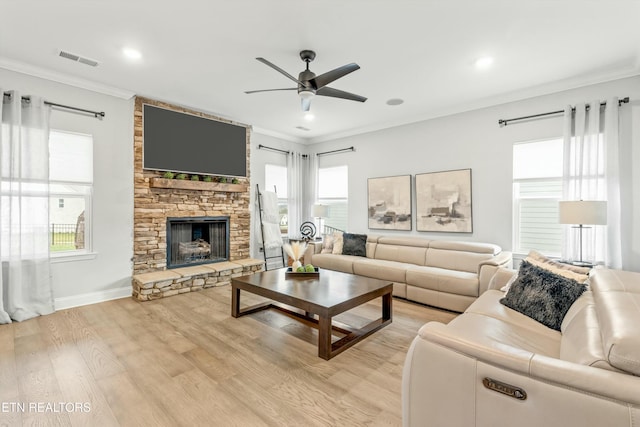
(45, 407)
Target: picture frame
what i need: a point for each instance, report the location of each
(443, 201)
(389, 203)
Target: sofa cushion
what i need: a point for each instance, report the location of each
(380, 269)
(479, 248)
(618, 310)
(542, 295)
(489, 305)
(495, 333)
(343, 263)
(438, 279)
(452, 259)
(406, 254)
(354, 244)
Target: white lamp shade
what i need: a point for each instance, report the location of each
(592, 212)
(320, 211)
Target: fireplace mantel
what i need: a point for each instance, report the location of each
(183, 184)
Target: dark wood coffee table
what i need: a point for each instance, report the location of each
(327, 296)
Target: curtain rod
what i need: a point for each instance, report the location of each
(504, 122)
(96, 114)
(264, 147)
(336, 151)
(261, 147)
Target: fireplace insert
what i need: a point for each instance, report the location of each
(197, 240)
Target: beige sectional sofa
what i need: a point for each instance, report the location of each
(495, 366)
(446, 274)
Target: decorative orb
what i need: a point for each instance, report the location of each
(308, 230)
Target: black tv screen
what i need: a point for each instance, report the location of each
(182, 142)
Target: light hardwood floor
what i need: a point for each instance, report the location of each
(184, 360)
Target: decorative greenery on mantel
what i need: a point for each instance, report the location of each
(197, 185)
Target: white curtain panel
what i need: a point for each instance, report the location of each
(295, 192)
(311, 188)
(591, 167)
(25, 283)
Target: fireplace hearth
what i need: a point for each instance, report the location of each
(197, 240)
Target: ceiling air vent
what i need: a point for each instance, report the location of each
(303, 128)
(78, 58)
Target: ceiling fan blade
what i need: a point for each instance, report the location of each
(270, 90)
(336, 93)
(278, 69)
(306, 104)
(326, 78)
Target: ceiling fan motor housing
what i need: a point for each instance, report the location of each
(307, 55)
(305, 77)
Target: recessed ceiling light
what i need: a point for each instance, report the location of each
(309, 117)
(131, 53)
(484, 62)
(395, 101)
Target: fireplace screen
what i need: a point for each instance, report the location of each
(197, 240)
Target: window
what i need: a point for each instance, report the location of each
(275, 179)
(537, 189)
(333, 190)
(71, 187)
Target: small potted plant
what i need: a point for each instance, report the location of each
(181, 176)
(168, 175)
(195, 178)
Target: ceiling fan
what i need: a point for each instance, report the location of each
(310, 85)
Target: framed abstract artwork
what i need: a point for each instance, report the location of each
(389, 202)
(443, 201)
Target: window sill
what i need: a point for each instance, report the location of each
(71, 257)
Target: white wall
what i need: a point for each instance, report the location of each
(474, 140)
(108, 274)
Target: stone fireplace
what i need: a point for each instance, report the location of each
(157, 201)
(197, 240)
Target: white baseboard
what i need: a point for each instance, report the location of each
(91, 298)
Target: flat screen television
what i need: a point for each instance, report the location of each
(181, 142)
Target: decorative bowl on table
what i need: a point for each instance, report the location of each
(307, 274)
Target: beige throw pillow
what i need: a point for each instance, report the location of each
(327, 245)
(338, 242)
(579, 274)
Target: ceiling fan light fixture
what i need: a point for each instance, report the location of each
(484, 62)
(306, 94)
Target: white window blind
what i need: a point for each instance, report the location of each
(333, 190)
(537, 189)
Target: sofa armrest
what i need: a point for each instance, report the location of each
(583, 379)
(487, 269)
(501, 277)
(312, 248)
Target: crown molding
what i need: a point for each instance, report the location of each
(21, 67)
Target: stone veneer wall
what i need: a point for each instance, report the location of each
(152, 205)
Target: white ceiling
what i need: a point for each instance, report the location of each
(201, 53)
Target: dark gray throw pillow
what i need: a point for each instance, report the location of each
(354, 244)
(542, 295)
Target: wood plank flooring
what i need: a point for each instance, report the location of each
(184, 361)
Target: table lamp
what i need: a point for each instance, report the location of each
(581, 212)
(320, 211)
